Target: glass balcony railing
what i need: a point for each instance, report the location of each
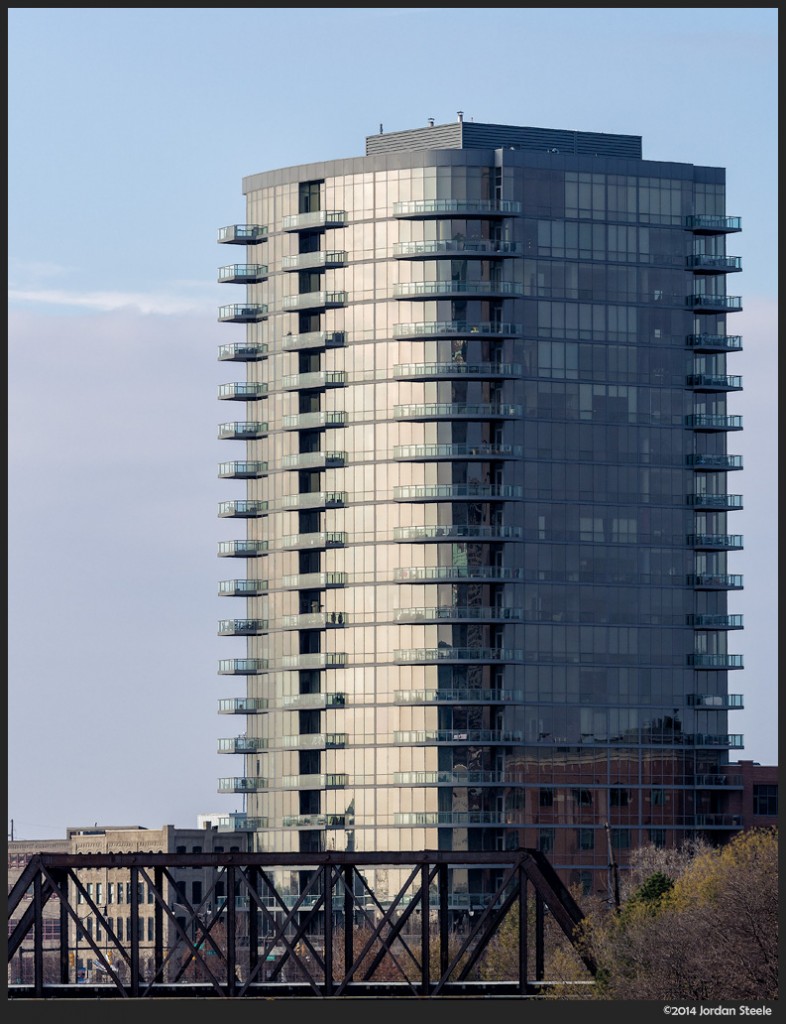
(243, 430)
(426, 655)
(314, 381)
(459, 613)
(714, 382)
(314, 580)
(243, 273)
(711, 463)
(426, 452)
(457, 411)
(715, 342)
(313, 741)
(242, 666)
(242, 470)
(313, 700)
(433, 371)
(242, 588)
(721, 661)
(242, 391)
(242, 627)
(314, 460)
(315, 219)
(716, 501)
(436, 289)
(314, 420)
(465, 696)
(315, 499)
(319, 660)
(242, 705)
(709, 421)
(702, 739)
(242, 509)
(242, 548)
(312, 260)
(315, 620)
(715, 541)
(311, 541)
(243, 352)
(323, 781)
(457, 208)
(712, 224)
(706, 621)
(242, 313)
(729, 701)
(457, 531)
(485, 248)
(703, 263)
(241, 745)
(457, 329)
(315, 300)
(459, 736)
(313, 339)
(441, 573)
(449, 492)
(715, 581)
(242, 784)
(243, 234)
(241, 823)
(715, 303)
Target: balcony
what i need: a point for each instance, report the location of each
(712, 224)
(459, 613)
(313, 340)
(715, 463)
(727, 702)
(715, 661)
(481, 248)
(243, 352)
(242, 234)
(715, 621)
(429, 452)
(714, 581)
(715, 541)
(242, 666)
(318, 380)
(315, 220)
(314, 581)
(708, 422)
(314, 420)
(455, 289)
(457, 329)
(242, 391)
(243, 784)
(242, 273)
(242, 430)
(715, 342)
(455, 531)
(714, 382)
(464, 696)
(242, 313)
(458, 492)
(458, 411)
(430, 655)
(242, 509)
(315, 300)
(242, 627)
(314, 701)
(314, 460)
(242, 588)
(429, 208)
(436, 371)
(719, 502)
(448, 573)
(703, 263)
(241, 745)
(304, 821)
(714, 303)
(242, 548)
(337, 781)
(469, 736)
(314, 260)
(241, 823)
(310, 541)
(315, 620)
(317, 661)
(313, 741)
(242, 705)
(242, 470)
(315, 499)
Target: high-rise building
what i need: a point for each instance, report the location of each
(483, 519)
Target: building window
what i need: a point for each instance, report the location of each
(658, 797)
(620, 838)
(220, 889)
(99, 892)
(546, 798)
(658, 837)
(120, 892)
(110, 892)
(150, 929)
(196, 893)
(546, 840)
(765, 799)
(582, 797)
(586, 839)
(619, 797)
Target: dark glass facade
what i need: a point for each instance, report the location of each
(485, 509)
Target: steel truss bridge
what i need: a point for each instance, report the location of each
(327, 935)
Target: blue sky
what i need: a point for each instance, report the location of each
(130, 131)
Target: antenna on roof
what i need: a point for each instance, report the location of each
(380, 127)
(431, 122)
(460, 115)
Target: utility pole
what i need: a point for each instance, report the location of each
(614, 876)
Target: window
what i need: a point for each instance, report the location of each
(658, 837)
(658, 797)
(582, 797)
(99, 892)
(765, 799)
(110, 892)
(620, 838)
(586, 839)
(196, 893)
(546, 840)
(546, 798)
(120, 892)
(619, 797)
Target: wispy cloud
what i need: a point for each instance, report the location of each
(108, 302)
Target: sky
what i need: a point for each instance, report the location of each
(130, 131)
